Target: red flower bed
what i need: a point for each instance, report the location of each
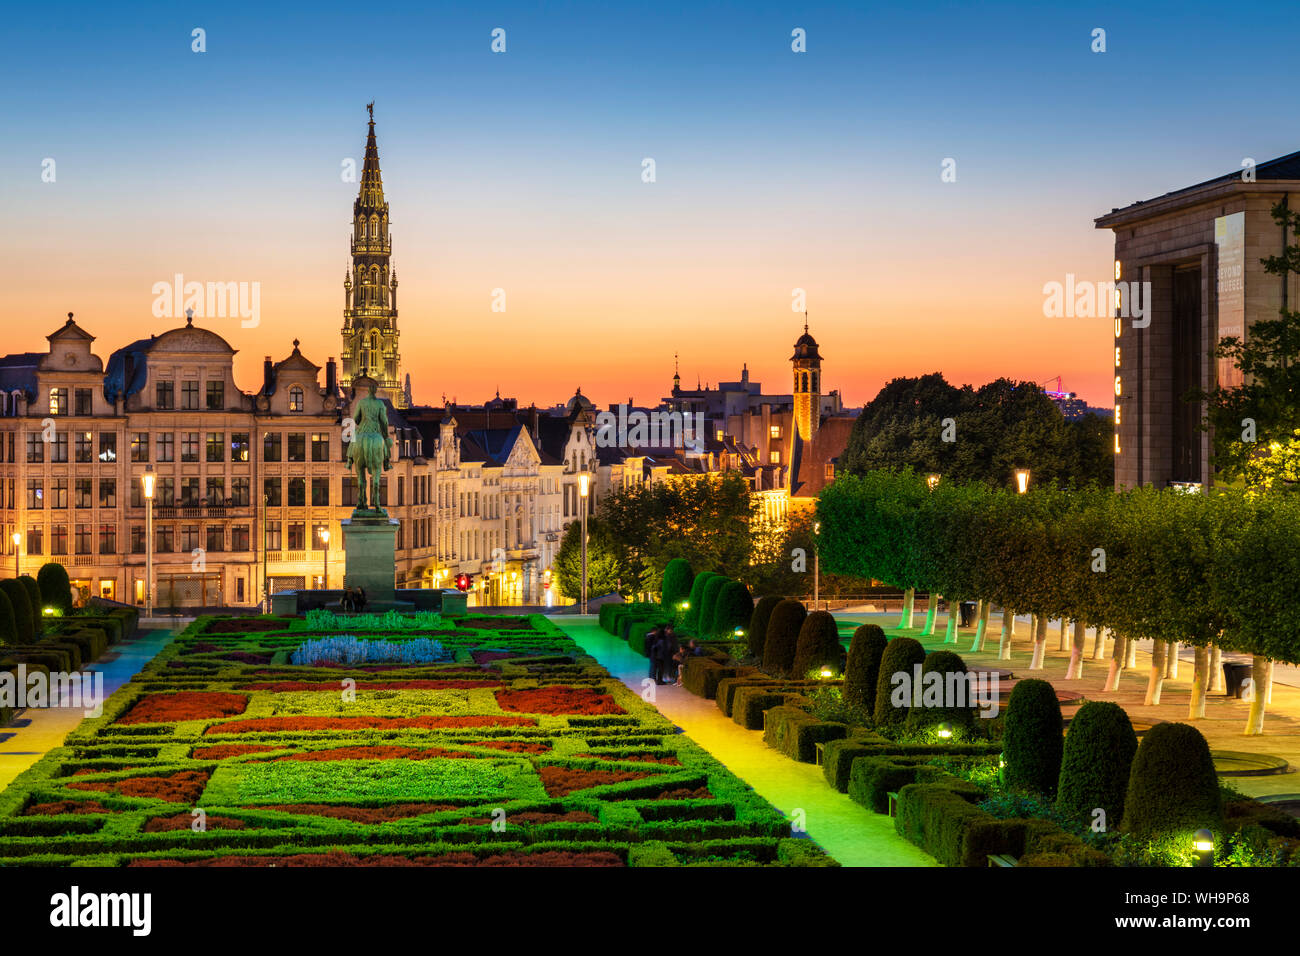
(85, 770)
(573, 816)
(487, 657)
(184, 705)
(292, 685)
(203, 647)
(343, 858)
(185, 821)
(562, 781)
(301, 723)
(183, 786)
(246, 657)
(222, 751)
(639, 758)
(65, 806)
(517, 746)
(558, 699)
(373, 753)
(394, 811)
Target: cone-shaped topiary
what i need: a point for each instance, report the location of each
(8, 629)
(56, 589)
(676, 587)
(696, 598)
(758, 624)
(945, 699)
(818, 646)
(1031, 740)
(24, 623)
(863, 666)
(34, 595)
(1095, 765)
(734, 608)
(708, 604)
(894, 698)
(783, 637)
(1172, 788)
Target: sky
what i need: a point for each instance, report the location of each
(522, 171)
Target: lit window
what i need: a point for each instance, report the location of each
(295, 399)
(774, 431)
(774, 458)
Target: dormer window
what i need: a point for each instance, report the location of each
(295, 399)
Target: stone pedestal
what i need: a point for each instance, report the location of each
(370, 556)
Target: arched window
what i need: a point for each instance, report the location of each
(374, 227)
(374, 351)
(295, 399)
(815, 383)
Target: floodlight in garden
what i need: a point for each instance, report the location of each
(1022, 480)
(932, 480)
(1203, 844)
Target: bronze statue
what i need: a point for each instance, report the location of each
(371, 450)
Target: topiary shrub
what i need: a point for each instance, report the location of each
(8, 628)
(56, 589)
(758, 624)
(24, 623)
(34, 595)
(783, 637)
(696, 598)
(1172, 788)
(863, 666)
(818, 645)
(1096, 761)
(944, 699)
(676, 587)
(708, 604)
(734, 608)
(1031, 739)
(901, 656)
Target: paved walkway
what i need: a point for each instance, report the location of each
(850, 833)
(35, 732)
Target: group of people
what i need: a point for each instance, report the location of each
(667, 654)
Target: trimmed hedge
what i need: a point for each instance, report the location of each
(709, 604)
(940, 819)
(34, 595)
(745, 677)
(945, 710)
(901, 656)
(796, 733)
(734, 608)
(1032, 739)
(758, 624)
(782, 639)
(873, 779)
(24, 622)
(862, 669)
(818, 645)
(750, 702)
(692, 618)
(8, 626)
(838, 755)
(56, 588)
(676, 586)
(1172, 788)
(1096, 761)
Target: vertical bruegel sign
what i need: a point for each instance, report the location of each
(1230, 287)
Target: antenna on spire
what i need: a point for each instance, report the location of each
(805, 321)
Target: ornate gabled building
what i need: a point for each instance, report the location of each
(370, 288)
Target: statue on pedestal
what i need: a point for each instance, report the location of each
(371, 451)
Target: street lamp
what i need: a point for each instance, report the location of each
(325, 569)
(1022, 480)
(932, 480)
(266, 558)
(1203, 844)
(583, 481)
(17, 538)
(817, 566)
(147, 480)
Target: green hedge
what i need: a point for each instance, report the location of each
(692, 617)
(1172, 788)
(902, 654)
(24, 620)
(942, 821)
(1096, 761)
(782, 639)
(709, 604)
(862, 668)
(1032, 739)
(757, 633)
(676, 587)
(818, 646)
(943, 663)
(749, 703)
(56, 589)
(733, 609)
(873, 779)
(796, 733)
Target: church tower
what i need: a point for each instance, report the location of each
(370, 288)
(807, 385)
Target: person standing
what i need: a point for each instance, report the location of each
(654, 651)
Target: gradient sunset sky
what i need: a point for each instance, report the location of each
(522, 171)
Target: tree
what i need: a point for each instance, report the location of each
(818, 646)
(783, 637)
(34, 595)
(8, 626)
(1032, 741)
(758, 624)
(56, 589)
(1095, 763)
(734, 609)
(897, 674)
(24, 619)
(605, 569)
(1172, 788)
(677, 581)
(696, 599)
(862, 669)
(709, 604)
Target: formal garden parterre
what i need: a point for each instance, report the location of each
(498, 743)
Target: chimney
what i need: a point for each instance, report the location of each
(331, 382)
(267, 375)
(534, 407)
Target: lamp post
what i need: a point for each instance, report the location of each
(817, 566)
(147, 479)
(17, 538)
(1203, 844)
(325, 568)
(266, 558)
(583, 489)
(1022, 480)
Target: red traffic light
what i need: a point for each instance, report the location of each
(462, 582)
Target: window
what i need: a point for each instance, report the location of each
(83, 401)
(320, 492)
(320, 447)
(216, 446)
(215, 493)
(189, 492)
(239, 538)
(137, 539)
(108, 446)
(59, 447)
(60, 499)
(139, 446)
(189, 537)
(239, 492)
(295, 399)
(165, 493)
(35, 541)
(348, 495)
(82, 492)
(165, 396)
(272, 536)
(774, 431)
(166, 442)
(216, 396)
(297, 536)
(85, 448)
(137, 493)
(383, 491)
(164, 538)
(774, 457)
(83, 539)
(190, 396)
(216, 538)
(297, 492)
(720, 434)
(401, 490)
(271, 491)
(35, 494)
(35, 448)
(239, 446)
(318, 542)
(108, 492)
(108, 538)
(297, 447)
(271, 446)
(189, 446)
(59, 539)
(830, 470)
(59, 401)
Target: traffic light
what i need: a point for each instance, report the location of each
(462, 582)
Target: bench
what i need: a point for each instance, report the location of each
(893, 802)
(1001, 859)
